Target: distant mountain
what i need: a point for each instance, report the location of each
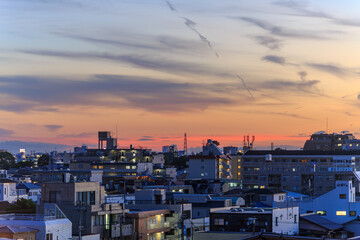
(14, 146)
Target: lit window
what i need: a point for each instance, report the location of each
(352, 213)
(94, 167)
(262, 187)
(101, 167)
(340, 213)
(321, 213)
(127, 167)
(133, 167)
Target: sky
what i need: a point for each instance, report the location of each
(149, 71)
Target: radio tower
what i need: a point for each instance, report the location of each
(185, 144)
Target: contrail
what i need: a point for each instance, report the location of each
(190, 24)
(245, 86)
(171, 6)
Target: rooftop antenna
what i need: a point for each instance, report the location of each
(185, 144)
(327, 125)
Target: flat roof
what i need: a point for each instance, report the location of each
(300, 152)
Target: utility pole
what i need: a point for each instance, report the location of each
(80, 206)
(252, 221)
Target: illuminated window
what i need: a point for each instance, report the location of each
(352, 213)
(127, 167)
(112, 168)
(340, 213)
(101, 167)
(262, 187)
(321, 213)
(95, 167)
(133, 167)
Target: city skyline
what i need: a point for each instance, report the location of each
(149, 71)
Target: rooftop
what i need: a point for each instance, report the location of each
(300, 152)
(26, 217)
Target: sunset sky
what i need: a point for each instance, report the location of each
(155, 69)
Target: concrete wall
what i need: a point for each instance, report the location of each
(288, 220)
(202, 168)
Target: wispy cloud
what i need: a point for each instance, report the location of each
(279, 31)
(146, 138)
(302, 9)
(53, 127)
(142, 61)
(274, 59)
(191, 25)
(78, 135)
(154, 95)
(336, 70)
(5, 132)
(269, 42)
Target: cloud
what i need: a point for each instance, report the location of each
(269, 42)
(171, 6)
(53, 127)
(153, 95)
(78, 135)
(279, 31)
(159, 64)
(274, 59)
(330, 68)
(302, 75)
(191, 25)
(146, 138)
(5, 132)
(290, 86)
(302, 9)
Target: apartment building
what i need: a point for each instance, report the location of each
(306, 172)
(84, 204)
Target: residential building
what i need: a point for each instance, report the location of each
(48, 226)
(235, 219)
(306, 172)
(8, 191)
(33, 191)
(87, 175)
(180, 212)
(18, 232)
(150, 225)
(84, 204)
(209, 167)
(322, 141)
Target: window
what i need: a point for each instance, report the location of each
(133, 167)
(342, 196)
(323, 213)
(127, 167)
(295, 218)
(276, 221)
(352, 213)
(49, 236)
(218, 221)
(340, 213)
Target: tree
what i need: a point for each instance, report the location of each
(23, 205)
(24, 164)
(7, 160)
(44, 160)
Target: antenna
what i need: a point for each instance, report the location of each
(116, 132)
(185, 144)
(327, 124)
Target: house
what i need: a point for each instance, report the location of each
(84, 203)
(16, 232)
(8, 191)
(32, 190)
(235, 219)
(150, 224)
